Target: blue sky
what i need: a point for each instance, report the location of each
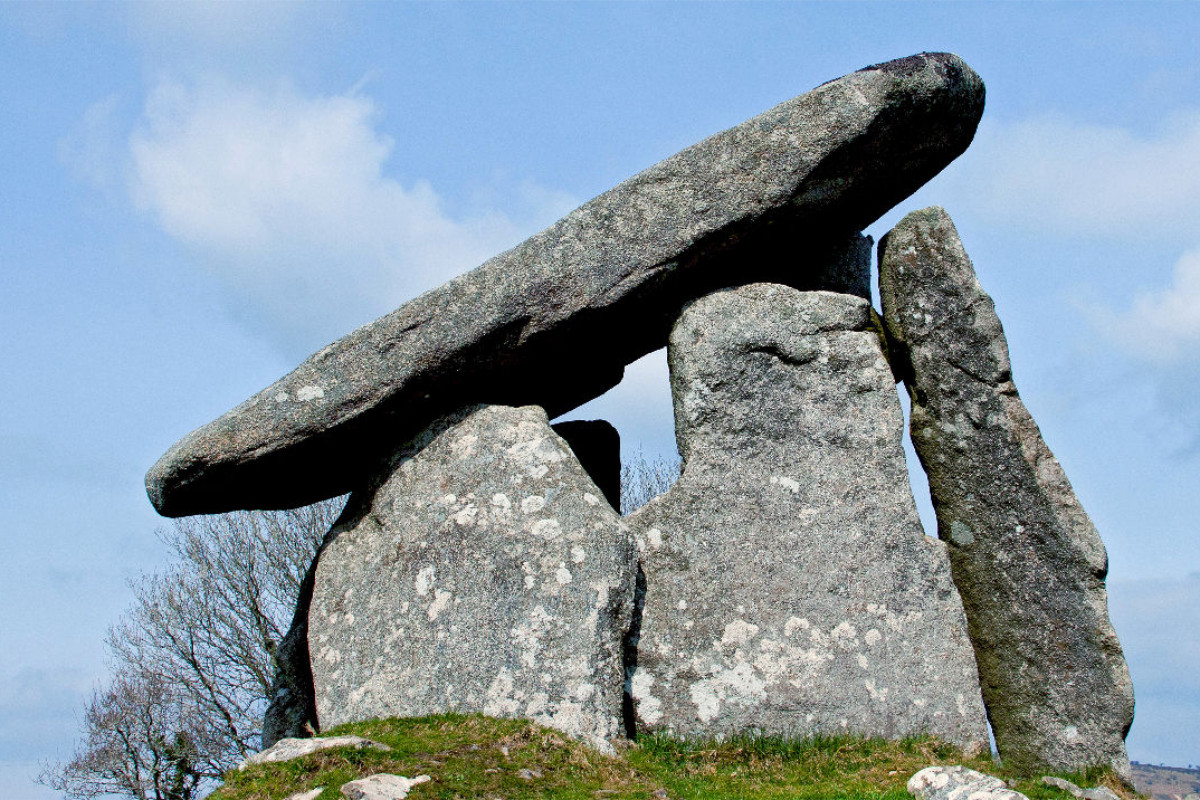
(196, 196)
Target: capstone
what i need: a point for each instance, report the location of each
(554, 321)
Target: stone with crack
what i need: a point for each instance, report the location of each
(788, 586)
(1027, 561)
(483, 572)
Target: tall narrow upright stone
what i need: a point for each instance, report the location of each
(788, 586)
(1027, 561)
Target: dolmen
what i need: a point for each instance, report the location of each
(784, 585)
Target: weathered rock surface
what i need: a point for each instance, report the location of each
(288, 749)
(381, 787)
(484, 573)
(292, 712)
(959, 783)
(553, 321)
(789, 587)
(1026, 559)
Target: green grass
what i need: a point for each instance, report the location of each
(479, 758)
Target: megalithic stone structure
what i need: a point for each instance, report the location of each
(553, 321)
(1026, 559)
(482, 572)
(789, 588)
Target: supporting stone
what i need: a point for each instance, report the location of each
(484, 572)
(789, 587)
(1026, 558)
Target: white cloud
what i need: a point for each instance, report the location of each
(286, 199)
(1062, 176)
(1163, 326)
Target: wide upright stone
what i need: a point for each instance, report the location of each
(1027, 561)
(483, 573)
(554, 321)
(789, 587)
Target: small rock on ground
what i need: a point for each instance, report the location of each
(287, 749)
(311, 794)
(1062, 783)
(381, 787)
(959, 783)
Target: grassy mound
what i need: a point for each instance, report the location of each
(482, 758)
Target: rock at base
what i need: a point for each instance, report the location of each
(1026, 559)
(789, 587)
(288, 749)
(959, 783)
(484, 572)
(381, 787)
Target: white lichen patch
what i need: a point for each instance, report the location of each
(790, 484)
(441, 599)
(424, 581)
(877, 694)
(463, 447)
(500, 700)
(547, 529)
(310, 392)
(562, 575)
(738, 632)
(466, 515)
(739, 686)
(591, 499)
(532, 504)
(578, 555)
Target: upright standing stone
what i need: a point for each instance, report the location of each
(554, 320)
(484, 573)
(789, 587)
(1026, 558)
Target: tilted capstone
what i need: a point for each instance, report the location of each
(553, 321)
(788, 586)
(1026, 559)
(483, 572)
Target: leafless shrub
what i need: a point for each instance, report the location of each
(193, 658)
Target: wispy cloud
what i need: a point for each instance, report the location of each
(1073, 180)
(286, 198)
(1162, 325)
(1062, 176)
